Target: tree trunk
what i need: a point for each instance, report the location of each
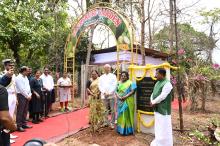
(88, 56)
(16, 55)
(209, 53)
(211, 42)
(89, 48)
(193, 96)
(55, 41)
(213, 87)
(203, 95)
(178, 72)
(14, 44)
(88, 4)
(149, 25)
(142, 32)
(171, 26)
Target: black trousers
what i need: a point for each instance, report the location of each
(46, 102)
(36, 116)
(30, 109)
(4, 139)
(22, 110)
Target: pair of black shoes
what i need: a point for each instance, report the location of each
(22, 128)
(37, 121)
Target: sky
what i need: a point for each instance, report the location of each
(191, 15)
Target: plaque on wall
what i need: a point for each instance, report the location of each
(144, 90)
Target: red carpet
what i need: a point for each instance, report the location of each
(54, 127)
(61, 125)
(175, 104)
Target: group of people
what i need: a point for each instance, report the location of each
(34, 94)
(116, 97)
(26, 93)
(118, 100)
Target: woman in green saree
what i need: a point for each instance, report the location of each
(125, 105)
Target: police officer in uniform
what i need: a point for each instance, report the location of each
(12, 97)
(7, 124)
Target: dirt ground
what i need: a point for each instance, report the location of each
(107, 137)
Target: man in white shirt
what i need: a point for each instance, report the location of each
(12, 97)
(107, 86)
(24, 96)
(48, 85)
(161, 102)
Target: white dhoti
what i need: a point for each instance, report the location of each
(12, 99)
(65, 94)
(163, 130)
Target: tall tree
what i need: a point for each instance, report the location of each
(212, 19)
(193, 42)
(180, 97)
(26, 29)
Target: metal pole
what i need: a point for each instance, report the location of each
(73, 84)
(118, 63)
(108, 37)
(132, 34)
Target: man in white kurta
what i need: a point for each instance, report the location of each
(12, 97)
(161, 101)
(107, 86)
(64, 84)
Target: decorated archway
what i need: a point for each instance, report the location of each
(117, 23)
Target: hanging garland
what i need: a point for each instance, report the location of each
(141, 121)
(148, 67)
(139, 78)
(147, 125)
